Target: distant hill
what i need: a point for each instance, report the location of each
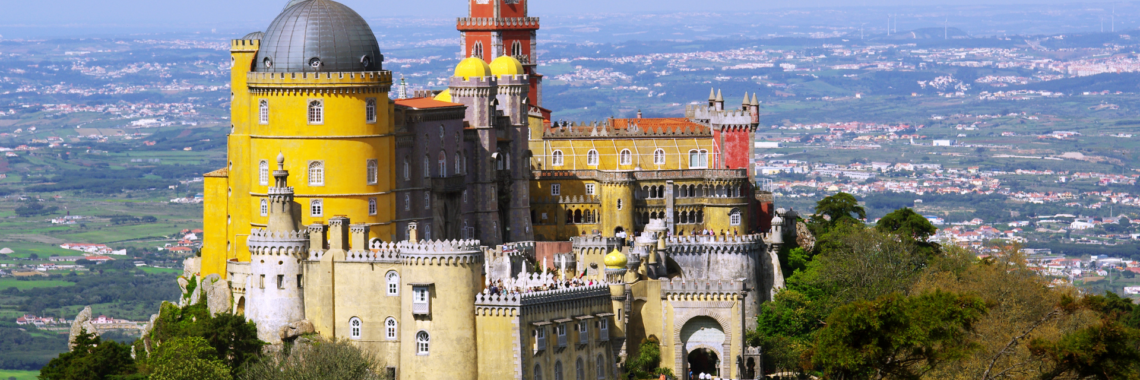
(1124, 82)
(927, 34)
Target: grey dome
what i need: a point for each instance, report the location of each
(318, 36)
(254, 36)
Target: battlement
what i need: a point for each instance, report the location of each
(366, 79)
(715, 117)
(743, 244)
(264, 242)
(643, 175)
(245, 45)
(496, 23)
(573, 130)
(680, 286)
(595, 241)
(546, 297)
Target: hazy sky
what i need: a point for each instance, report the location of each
(39, 13)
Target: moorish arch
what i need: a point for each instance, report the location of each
(693, 316)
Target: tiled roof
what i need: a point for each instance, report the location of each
(223, 172)
(425, 103)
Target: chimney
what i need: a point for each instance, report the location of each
(359, 236)
(317, 236)
(638, 114)
(412, 236)
(338, 233)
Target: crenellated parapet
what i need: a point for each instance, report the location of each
(441, 252)
(575, 130)
(290, 243)
(744, 244)
(681, 290)
(548, 300)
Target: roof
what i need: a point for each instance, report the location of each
(318, 36)
(506, 65)
(223, 172)
(425, 103)
(657, 124)
(472, 67)
(254, 36)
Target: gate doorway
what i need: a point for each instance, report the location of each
(703, 360)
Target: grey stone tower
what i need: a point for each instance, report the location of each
(478, 94)
(512, 97)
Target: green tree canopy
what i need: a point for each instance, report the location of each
(186, 358)
(906, 222)
(839, 208)
(92, 358)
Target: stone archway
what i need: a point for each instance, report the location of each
(704, 346)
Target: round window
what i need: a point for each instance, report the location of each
(315, 62)
(366, 61)
(268, 62)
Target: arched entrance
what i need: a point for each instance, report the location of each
(618, 230)
(704, 346)
(703, 360)
(240, 306)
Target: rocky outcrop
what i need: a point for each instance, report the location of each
(296, 329)
(82, 322)
(217, 292)
(804, 238)
(191, 267)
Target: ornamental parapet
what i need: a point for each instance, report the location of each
(674, 287)
(574, 130)
(337, 80)
(555, 296)
(245, 45)
(289, 243)
(492, 23)
(440, 252)
(744, 244)
(595, 241)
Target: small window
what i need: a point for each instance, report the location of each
(316, 173)
(264, 207)
(557, 159)
(316, 207)
(372, 174)
(263, 111)
(370, 110)
(422, 343)
(393, 283)
(477, 50)
(516, 49)
(427, 231)
(300, 284)
(558, 370)
(537, 372)
(698, 158)
(590, 189)
(458, 163)
(626, 158)
(579, 370)
(316, 112)
(464, 196)
(427, 166)
(390, 328)
(263, 172)
(659, 157)
(442, 164)
(261, 282)
(421, 300)
(555, 189)
(734, 217)
(427, 201)
(619, 204)
(371, 206)
(354, 328)
(600, 365)
(592, 158)
(280, 281)
(407, 169)
(407, 202)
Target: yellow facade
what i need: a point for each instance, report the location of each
(271, 115)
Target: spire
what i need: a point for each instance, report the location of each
(754, 102)
(280, 198)
(718, 97)
(403, 87)
(712, 94)
(745, 98)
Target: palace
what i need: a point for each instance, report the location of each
(412, 225)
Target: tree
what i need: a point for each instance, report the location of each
(647, 363)
(232, 337)
(896, 336)
(92, 358)
(321, 359)
(186, 358)
(1107, 349)
(908, 223)
(838, 208)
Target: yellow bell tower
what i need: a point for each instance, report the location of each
(311, 87)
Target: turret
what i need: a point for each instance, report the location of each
(754, 109)
(474, 86)
(275, 297)
(712, 97)
(719, 102)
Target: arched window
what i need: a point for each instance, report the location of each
(371, 206)
(427, 166)
(698, 158)
(477, 50)
(372, 173)
(577, 216)
(458, 163)
(626, 158)
(407, 202)
(569, 217)
(592, 158)
(499, 160)
(316, 112)
(442, 164)
(700, 216)
(263, 111)
(393, 283)
(427, 200)
(734, 217)
(407, 169)
(390, 328)
(558, 159)
(558, 370)
(516, 49)
(370, 110)
(619, 204)
(537, 372)
(264, 207)
(316, 207)
(601, 366)
(507, 162)
(422, 343)
(579, 370)
(316, 173)
(659, 157)
(263, 172)
(684, 219)
(354, 328)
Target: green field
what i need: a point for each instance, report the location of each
(9, 282)
(18, 375)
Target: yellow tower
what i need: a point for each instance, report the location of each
(313, 88)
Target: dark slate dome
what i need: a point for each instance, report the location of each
(254, 36)
(318, 36)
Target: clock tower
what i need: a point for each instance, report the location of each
(494, 28)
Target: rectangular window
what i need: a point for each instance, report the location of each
(371, 206)
(420, 300)
(370, 110)
(261, 282)
(427, 201)
(590, 189)
(280, 281)
(299, 281)
(316, 207)
(555, 189)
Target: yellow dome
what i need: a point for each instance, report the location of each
(506, 65)
(616, 260)
(444, 96)
(472, 68)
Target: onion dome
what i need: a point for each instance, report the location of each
(318, 36)
(473, 67)
(444, 96)
(616, 260)
(506, 65)
(254, 36)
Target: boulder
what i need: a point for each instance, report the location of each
(191, 266)
(218, 296)
(82, 322)
(297, 329)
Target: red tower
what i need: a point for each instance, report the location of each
(495, 28)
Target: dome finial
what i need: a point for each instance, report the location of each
(280, 161)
